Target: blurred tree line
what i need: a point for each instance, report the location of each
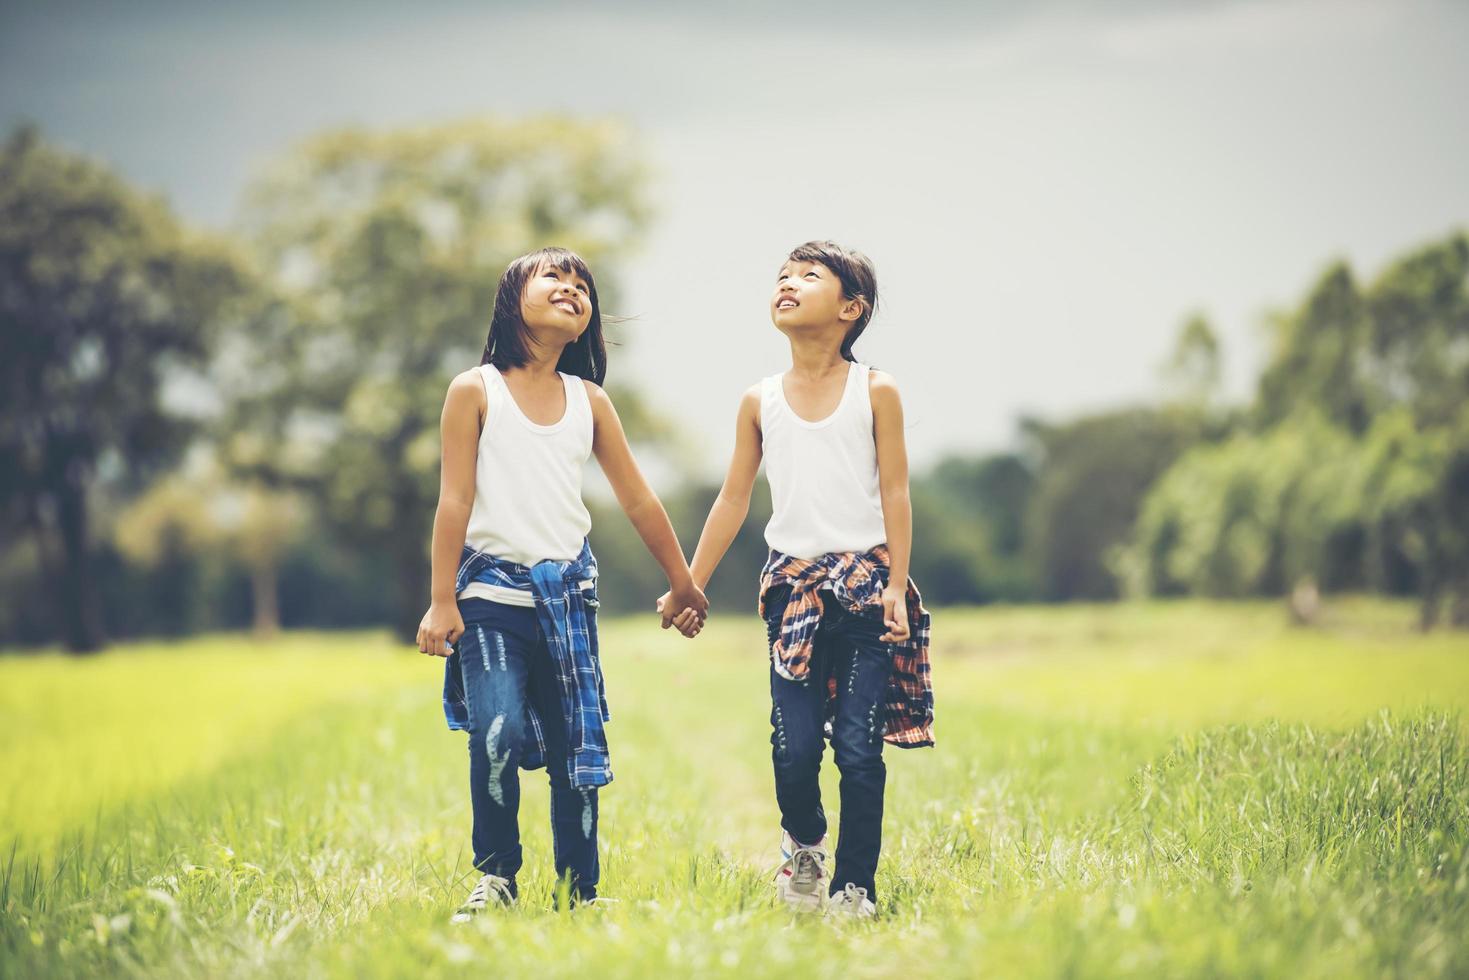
(211, 432)
(1350, 470)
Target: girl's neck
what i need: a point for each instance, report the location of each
(815, 357)
(540, 363)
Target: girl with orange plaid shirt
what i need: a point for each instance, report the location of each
(847, 630)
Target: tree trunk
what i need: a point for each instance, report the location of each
(81, 620)
(1459, 609)
(1305, 602)
(265, 600)
(45, 552)
(1431, 593)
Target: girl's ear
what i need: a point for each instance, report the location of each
(852, 309)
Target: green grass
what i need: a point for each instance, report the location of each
(1169, 789)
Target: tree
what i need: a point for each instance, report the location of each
(1412, 489)
(102, 295)
(1321, 357)
(1255, 513)
(1353, 353)
(1419, 309)
(1357, 471)
(201, 511)
(388, 246)
(968, 529)
(1092, 478)
(1193, 370)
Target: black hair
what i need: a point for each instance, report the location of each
(505, 347)
(857, 276)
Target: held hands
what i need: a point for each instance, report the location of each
(692, 606)
(441, 626)
(695, 610)
(895, 614)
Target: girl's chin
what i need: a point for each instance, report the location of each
(791, 325)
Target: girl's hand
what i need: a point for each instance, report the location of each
(441, 626)
(689, 623)
(692, 606)
(665, 612)
(895, 614)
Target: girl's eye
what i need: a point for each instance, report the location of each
(813, 273)
(583, 287)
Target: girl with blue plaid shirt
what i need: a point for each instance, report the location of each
(514, 582)
(847, 631)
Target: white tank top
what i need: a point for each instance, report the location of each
(527, 484)
(823, 475)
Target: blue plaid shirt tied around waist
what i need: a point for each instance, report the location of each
(563, 592)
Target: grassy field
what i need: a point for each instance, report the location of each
(1170, 789)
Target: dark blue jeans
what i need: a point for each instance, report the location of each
(847, 648)
(506, 665)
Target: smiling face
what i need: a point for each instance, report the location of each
(809, 296)
(557, 304)
(546, 300)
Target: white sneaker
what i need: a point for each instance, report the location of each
(801, 881)
(490, 890)
(853, 902)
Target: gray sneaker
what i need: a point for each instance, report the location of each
(852, 902)
(489, 890)
(801, 881)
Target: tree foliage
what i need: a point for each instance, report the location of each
(389, 246)
(103, 296)
(1093, 475)
(1356, 471)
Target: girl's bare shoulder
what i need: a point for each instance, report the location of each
(597, 396)
(471, 378)
(882, 389)
(750, 404)
(881, 380)
(467, 391)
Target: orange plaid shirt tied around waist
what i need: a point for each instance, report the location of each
(856, 580)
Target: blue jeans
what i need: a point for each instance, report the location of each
(847, 647)
(506, 666)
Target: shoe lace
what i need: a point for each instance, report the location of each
(852, 896)
(488, 888)
(805, 864)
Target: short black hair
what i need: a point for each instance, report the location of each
(857, 276)
(505, 347)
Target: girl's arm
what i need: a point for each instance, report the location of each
(459, 429)
(638, 501)
(897, 509)
(727, 515)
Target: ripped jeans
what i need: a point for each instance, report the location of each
(506, 665)
(847, 648)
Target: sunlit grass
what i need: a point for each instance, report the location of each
(1180, 788)
(80, 735)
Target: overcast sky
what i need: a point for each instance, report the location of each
(1047, 188)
